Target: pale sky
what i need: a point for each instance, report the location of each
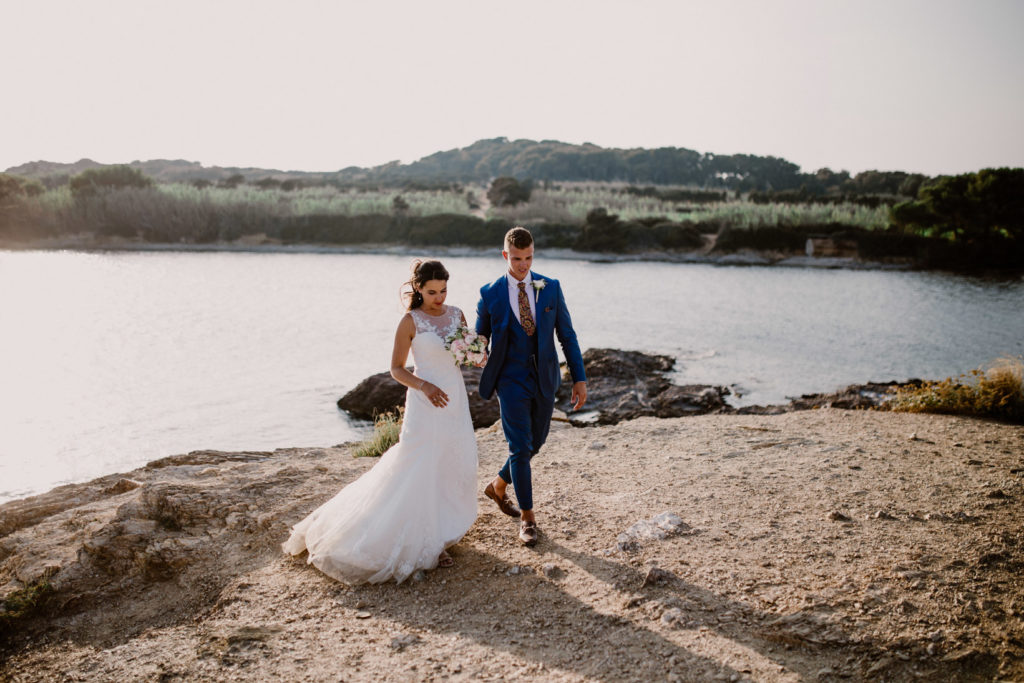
(934, 86)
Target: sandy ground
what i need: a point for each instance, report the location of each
(819, 545)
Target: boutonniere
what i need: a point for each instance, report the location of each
(539, 285)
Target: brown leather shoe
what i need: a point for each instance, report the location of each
(504, 504)
(528, 533)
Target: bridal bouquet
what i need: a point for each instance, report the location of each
(468, 348)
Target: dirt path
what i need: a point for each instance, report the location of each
(820, 545)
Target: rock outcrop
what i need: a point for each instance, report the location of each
(183, 519)
(380, 393)
(624, 385)
(853, 397)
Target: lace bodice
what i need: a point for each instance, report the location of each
(443, 325)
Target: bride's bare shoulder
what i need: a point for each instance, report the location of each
(407, 325)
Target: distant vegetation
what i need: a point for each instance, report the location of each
(547, 160)
(646, 200)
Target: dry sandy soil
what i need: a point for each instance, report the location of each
(819, 545)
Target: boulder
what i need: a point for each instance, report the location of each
(853, 397)
(380, 393)
(623, 385)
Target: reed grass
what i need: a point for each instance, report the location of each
(747, 215)
(324, 200)
(180, 212)
(570, 202)
(386, 429)
(996, 392)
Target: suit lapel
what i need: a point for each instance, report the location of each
(503, 308)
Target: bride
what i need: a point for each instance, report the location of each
(420, 498)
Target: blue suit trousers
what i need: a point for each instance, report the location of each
(526, 420)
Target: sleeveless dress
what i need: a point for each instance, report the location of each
(420, 497)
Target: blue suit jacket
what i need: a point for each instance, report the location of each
(494, 316)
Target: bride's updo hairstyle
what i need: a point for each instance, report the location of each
(422, 273)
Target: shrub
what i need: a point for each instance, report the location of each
(399, 206)
(339, 229)
(997, 393)
(769, 238)
(891, 243)
(602, 232)
(971, 207)
(696, 196)
(98, 180)
(552, 235)
(455, 229)
(13, 187)
(507, 191)
(684, 236)
(386, 429)
(153, 215)
(23, 603)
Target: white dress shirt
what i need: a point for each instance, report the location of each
(513, 295)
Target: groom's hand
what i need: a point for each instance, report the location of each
(579, 395)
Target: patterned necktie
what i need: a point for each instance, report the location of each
(525, 317)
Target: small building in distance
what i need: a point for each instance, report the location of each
(824, 246)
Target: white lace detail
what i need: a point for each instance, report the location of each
(443, 325)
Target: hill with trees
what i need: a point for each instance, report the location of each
(547, 160)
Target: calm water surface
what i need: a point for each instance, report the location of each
(110, 360)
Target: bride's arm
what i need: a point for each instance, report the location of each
(400, 354)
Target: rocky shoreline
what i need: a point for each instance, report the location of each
(819, 544)
(251, 244)
(623, 385)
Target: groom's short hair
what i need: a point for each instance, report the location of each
(518, 237)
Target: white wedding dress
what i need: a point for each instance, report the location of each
(420, 497)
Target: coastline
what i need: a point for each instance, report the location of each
(244, 245)
(822, 540)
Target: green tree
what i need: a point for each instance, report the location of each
(912, 184)
(971, 207)
(399, 206)
(98, 180)
(507, 191)
(603, 231)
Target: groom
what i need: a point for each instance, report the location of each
(520, 313)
